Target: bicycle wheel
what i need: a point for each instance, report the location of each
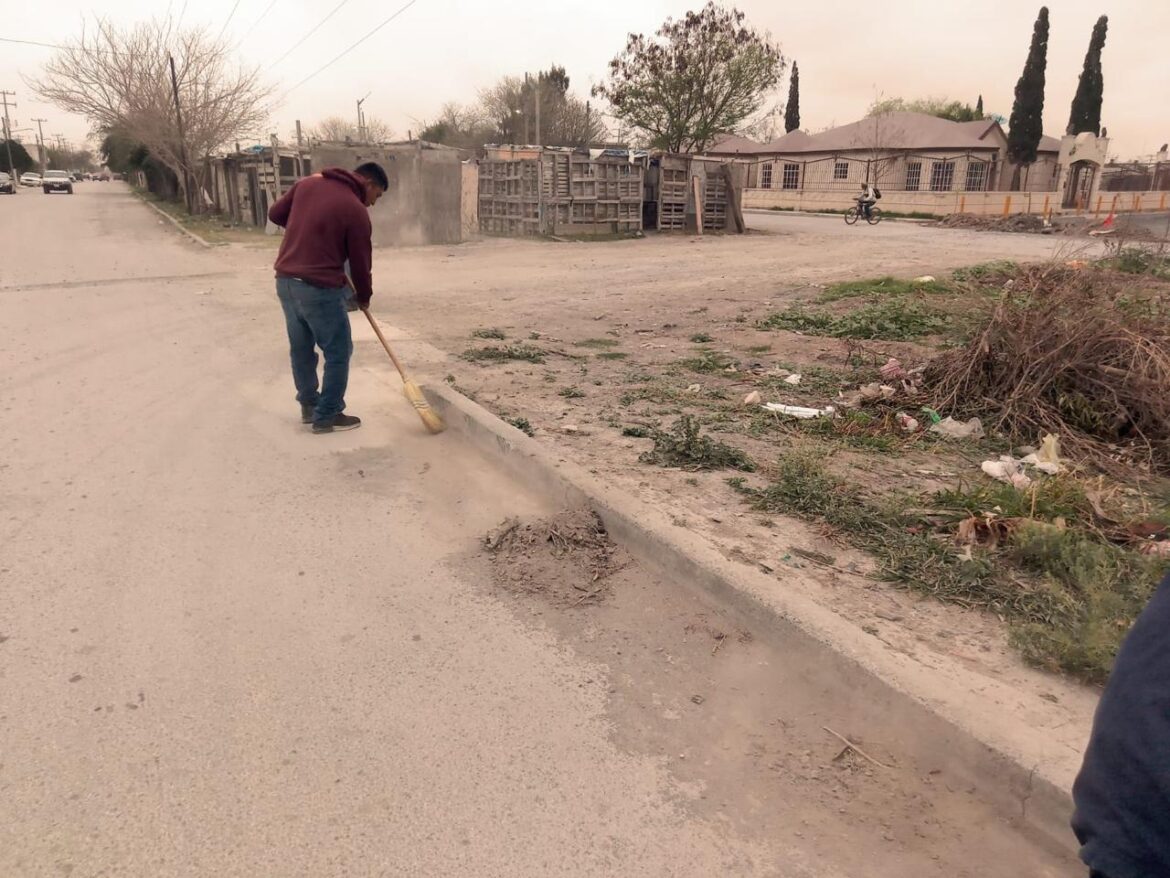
(851, 216)
(875, 216)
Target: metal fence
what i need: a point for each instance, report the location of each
(962, 172)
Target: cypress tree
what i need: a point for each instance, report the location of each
(792, 111)
(979, 107)
(1026, 125)
(1086, 105)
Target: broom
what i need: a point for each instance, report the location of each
(430, 417)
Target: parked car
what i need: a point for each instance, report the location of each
(103, 177)
(7, 187)
(57, 181)
(31, 179)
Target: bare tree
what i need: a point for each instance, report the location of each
(565, 120)
(339, 129)
(881, 137)
(120, 78)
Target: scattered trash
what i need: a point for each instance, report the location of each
(1047, 457)
(906, 423)
(925, 279)
(892, 370)
(867, 393)
(792, 379)
(698, 699)
(952, 429)
(799, 411)
(694, 388)
(931, 415)
(752, 398)
(571, 428)
(1007, 469)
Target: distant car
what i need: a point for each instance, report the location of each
(103, 177)
(119, 177)
(57, 181)
(75, 176)
(7, 187)
(30, 179)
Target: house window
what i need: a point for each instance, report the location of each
(913, 176)
(766, 176)
(841, 171)
(942, 176)
(976, 176)
(791, 175)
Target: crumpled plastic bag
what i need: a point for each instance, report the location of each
(1007, 469)
(1047, 457)
(952, 429)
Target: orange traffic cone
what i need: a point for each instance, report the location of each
(1108, 224)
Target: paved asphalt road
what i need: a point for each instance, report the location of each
(231, 648)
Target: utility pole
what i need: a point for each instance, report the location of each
(536, 100)
(588, 127)
(524, 104)
(362, 135)
(4, 95)
(300, 141)
(182, 137)
(41, 143)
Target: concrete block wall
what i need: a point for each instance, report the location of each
(424, 204)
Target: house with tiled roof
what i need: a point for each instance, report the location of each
(900, 151)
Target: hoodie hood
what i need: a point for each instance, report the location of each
(349, 178)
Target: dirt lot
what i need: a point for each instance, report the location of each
(624, 331)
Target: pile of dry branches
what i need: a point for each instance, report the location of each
(1084, 354)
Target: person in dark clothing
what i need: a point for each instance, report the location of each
(327, 225)
(1122, 794)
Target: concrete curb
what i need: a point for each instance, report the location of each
(178, 225)
(990, 752)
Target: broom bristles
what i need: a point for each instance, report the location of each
(429, 416)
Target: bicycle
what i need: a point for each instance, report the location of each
(853, 214)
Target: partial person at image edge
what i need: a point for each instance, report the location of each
(327, 228)
(1122, 794)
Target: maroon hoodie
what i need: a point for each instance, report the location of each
(326, 222)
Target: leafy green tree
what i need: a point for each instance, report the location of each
(20, 157)
(943, 108)
(1026, 125)
(792, 111)
(696, 78)
(1086, 105)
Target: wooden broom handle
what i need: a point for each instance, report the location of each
(378, 332)
(382, 338)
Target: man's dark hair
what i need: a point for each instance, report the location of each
(373, 172)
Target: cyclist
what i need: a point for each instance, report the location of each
(867, 200)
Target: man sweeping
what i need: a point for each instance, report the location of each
(327, 224)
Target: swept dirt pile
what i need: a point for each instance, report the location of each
(568, 558)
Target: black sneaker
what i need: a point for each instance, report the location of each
(336, 424)
(307, 414)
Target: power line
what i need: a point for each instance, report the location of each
(351, 48)
(63, 48)
(263, 14)
(316, 27)
(228, 20)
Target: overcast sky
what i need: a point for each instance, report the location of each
(440, 50)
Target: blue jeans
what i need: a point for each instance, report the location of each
(316, 318)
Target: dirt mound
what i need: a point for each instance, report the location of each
(568, 558)
(1019, 222)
